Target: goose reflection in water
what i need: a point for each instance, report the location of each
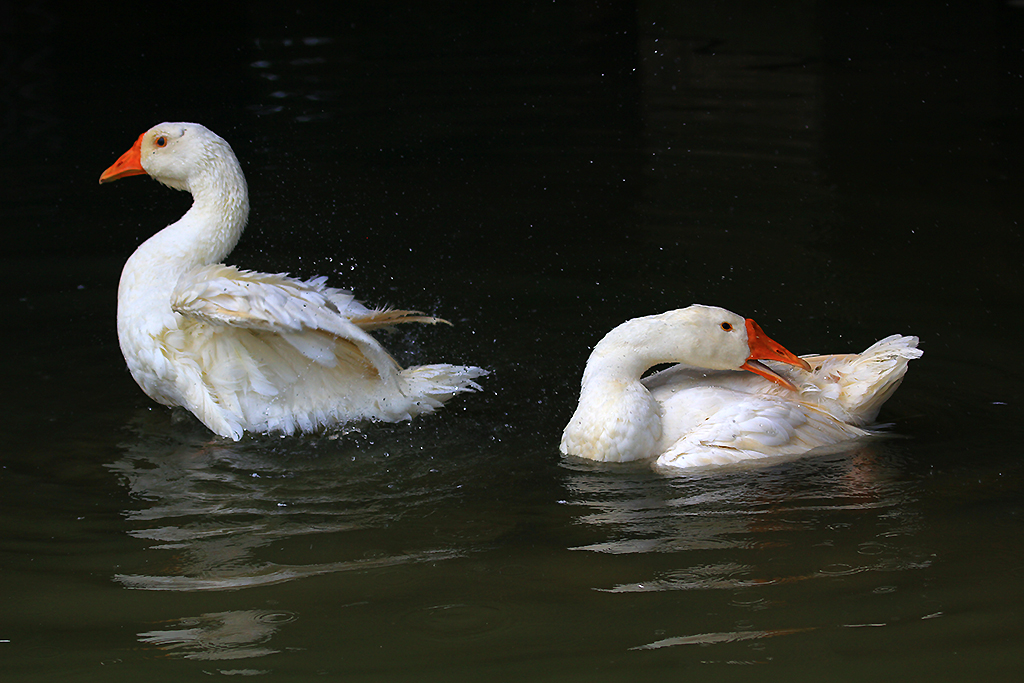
(230, 516)
(806, 518)
(219, 636)
(756, 532)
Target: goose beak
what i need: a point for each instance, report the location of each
(763, 347)
(129, 164)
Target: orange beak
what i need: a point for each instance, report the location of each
(763, 347)
(129, 164)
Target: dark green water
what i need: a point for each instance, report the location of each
(536, 175)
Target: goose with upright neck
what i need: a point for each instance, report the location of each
(720, 403)
(247, 351)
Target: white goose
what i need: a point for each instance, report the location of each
(704, 412)
(248, 351)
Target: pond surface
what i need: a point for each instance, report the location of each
(535, 175)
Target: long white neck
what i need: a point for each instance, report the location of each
(204, 235)
(617, 419)
(626, 353)
(212, 227)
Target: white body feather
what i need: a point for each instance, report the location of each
(246, 351)
(688, 416)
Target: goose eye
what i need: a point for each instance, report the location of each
(727, 327)
(161, 141)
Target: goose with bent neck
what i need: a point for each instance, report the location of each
(248, 351)
(714, 406)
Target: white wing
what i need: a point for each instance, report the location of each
(719, 418)
(266, 352)
(291, 308)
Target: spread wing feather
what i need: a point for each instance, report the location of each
(270, 352)
(291, 308)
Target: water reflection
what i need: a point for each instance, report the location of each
(220, 636)
(736, 557)
(836, 514)
(228, 516)
(716, 638)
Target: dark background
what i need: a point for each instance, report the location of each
(915, 98)
(539, 172)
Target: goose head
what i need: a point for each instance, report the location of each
(705, 337)
(172, 153)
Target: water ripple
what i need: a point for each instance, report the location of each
(716, 638)
(828, 517)
(459, 621)
(219, 636)
(228, 516)
(270, 574)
